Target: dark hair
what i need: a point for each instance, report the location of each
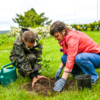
(29, 36)
(58, 27)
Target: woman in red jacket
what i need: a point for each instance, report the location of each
(80, 53)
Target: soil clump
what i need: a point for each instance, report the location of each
(45, 87)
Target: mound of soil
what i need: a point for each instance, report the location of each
(45, 87)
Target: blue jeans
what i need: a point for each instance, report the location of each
(86, 63)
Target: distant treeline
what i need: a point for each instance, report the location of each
(2, 32)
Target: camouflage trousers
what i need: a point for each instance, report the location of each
(31, 59)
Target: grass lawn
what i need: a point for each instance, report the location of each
(50, 51)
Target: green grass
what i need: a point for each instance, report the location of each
(51, 49)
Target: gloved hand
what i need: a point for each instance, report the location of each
(58, 73)
(59, 85)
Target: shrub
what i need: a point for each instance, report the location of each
(42, 32)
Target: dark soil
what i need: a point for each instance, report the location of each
(45, 88)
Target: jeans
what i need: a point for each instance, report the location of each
(86, 63)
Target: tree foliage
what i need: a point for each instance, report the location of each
(31, 19)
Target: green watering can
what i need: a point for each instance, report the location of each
(8, 75)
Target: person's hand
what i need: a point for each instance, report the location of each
(41, 77)
(34, 81)
(59, 85)
(58, 73)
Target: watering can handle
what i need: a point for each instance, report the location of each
(6, 66)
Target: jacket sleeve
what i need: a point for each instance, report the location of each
(31, 75)
(20, 60)
(38, 50)
(72, 45)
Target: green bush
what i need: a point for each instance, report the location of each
(87, 27)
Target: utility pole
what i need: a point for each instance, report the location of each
(97, 11)
(75, 17)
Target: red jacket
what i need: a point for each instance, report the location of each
(76, 42)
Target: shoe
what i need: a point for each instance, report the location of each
(95, 81)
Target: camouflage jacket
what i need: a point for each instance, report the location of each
(19, 56)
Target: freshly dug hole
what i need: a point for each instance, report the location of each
(44, 88)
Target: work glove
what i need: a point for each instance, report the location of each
(59, 85)
(58, 73)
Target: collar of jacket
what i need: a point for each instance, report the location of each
(62, 42)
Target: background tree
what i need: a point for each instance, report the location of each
(31, 19)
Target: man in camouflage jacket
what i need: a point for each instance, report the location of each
(26, 54)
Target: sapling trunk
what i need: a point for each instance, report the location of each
(49, 84)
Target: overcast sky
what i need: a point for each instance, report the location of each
(68, 11)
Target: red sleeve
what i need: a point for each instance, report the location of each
(72, 48)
